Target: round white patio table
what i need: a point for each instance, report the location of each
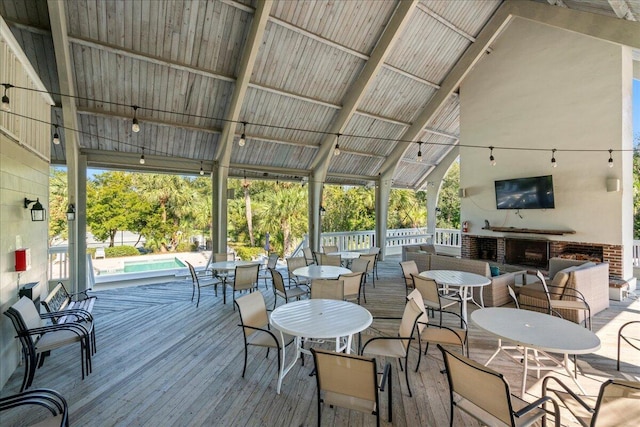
(347, 257)
(320, 272)
(536, 331)
(321, 319)
(227, 266)
(463, 280)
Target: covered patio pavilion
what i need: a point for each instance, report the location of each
(330, 92)
(184, 366)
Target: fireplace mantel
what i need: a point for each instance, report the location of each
(530, 230)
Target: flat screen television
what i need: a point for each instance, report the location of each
(525, 193)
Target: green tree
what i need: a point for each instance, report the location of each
(111, 205)
(449, 200)
(58, 204)
(636, 190)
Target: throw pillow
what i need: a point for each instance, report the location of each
(495, 271)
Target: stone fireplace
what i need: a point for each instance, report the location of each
(535, 253)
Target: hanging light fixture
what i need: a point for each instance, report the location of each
(492, 160)
(419, 158)
(322, 210)
(610, 158)
(201, 170)
(336, 151)
(135, 126)
(5, 99)
(71, 212)
(142, 157)
(56, 137)
(553, 158)
(243, 137)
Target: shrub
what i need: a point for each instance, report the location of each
(247, 253)
(186, 247)
(118, 251)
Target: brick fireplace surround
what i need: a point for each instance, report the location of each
(493, 249)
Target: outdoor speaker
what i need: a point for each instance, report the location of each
(613, 185)
(462, 193)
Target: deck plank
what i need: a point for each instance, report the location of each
(162, 361)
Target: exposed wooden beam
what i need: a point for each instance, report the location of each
(445, 22)
(359, 88)
(622, 10)
(119, 50)
(143, 120)
(470, 57)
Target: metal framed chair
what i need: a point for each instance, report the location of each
(202, 279)
(397, 346)
(330, 248)
(409, 268)
(50, 403)
(293, 263)
(375, 251)
(370, 267)
(324, 259)
(245, 279)
(308, 255)
(38, 339)
(576, 301)
(279, 290)
(327, 289)
(484, 394)
(272, 263)
(432, 298)
(352, 382)
(632, 340)
(438, 334)
(254, 322)
(353, 286)
(617, 404)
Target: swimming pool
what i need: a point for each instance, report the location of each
(144, 266)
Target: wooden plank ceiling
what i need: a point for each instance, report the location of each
(178, 60)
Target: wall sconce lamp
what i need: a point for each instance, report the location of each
(37, 211)
(322, 210)
(71, 212)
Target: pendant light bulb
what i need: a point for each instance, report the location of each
(56, 137)
(142, 158)
(6, 106)
(492, 160)
(336, 151)
(610, 158)
(201, 170)
(243, 137)
(135, 126)
(419, 158)
(553, 158)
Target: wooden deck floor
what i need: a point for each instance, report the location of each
(163, 362)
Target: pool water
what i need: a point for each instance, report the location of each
(146, 265)
(160, 264)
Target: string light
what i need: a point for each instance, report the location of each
(553, 158)
(610, 158)
(5, 106)
(135, 126)
(201, 170)
(419, 152)
(492, 160)
(142, 157)
(336, 151)
(5, 99)
(243, 137)
(56, 137)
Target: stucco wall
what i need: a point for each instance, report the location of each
(543, 87)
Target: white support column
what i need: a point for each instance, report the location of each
(433, 187)
(383, 191)
(80, 224)
(219, 186)
(315, 220)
